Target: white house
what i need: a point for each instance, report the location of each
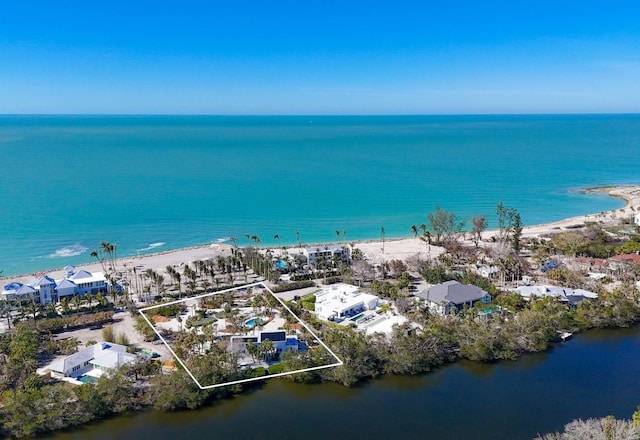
(18, 292)
(442, 298)
(87, 282)
(339, 301)
(487, 271)
(562, 293)
(329, 253)
(93, 360)
(45, 287)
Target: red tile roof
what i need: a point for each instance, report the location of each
(627, 257)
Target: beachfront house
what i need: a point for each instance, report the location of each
(450, 296)
(93, 361)
(340, 301)
(45, 289)
(329, 253)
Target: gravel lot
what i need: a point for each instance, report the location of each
(123, 323)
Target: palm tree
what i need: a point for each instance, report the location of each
(101, 299)
(159, 281)
(277, 237)
(382, 234)
(64, 304)
(414, 231)
(267, 348)
(6, 308)
(178, 279)
(76, 302)
(88, 298)
(98, 256)
(252, 348)
(109, 250)
(298, 240)
(171, 272)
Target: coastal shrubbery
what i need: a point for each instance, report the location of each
(408, 350)
(293, 285)
(56, 325)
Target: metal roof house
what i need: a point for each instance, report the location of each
(95, 360)
(563, 294)
(17, 292)
(443, 298)
(46, 290)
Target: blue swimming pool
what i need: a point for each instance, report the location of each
(253, 322)
(88, 379)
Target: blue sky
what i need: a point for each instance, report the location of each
(319, 57)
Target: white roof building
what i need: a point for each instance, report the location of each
(88, 282)
(103, 356)
(339, 301)
(562, 293)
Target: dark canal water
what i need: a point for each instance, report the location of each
(594, 375)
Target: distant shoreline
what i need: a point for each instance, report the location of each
(399, 248)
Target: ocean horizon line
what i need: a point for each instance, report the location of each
(304, 115)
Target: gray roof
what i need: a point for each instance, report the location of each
(452, 292)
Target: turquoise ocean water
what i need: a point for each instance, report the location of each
(153, 183)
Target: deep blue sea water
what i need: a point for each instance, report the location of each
(152, 183)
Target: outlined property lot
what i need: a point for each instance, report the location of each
(249, 324)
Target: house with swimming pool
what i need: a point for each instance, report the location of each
(341, 301)
(281, 341)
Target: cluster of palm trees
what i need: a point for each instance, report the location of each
(106, 256)
(422, 233)
(156, 278)
(264, 350)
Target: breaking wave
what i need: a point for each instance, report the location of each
(152, 246)
(69, 251)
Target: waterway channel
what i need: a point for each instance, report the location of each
(595, 374)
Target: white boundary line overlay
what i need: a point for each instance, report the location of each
(252, 379)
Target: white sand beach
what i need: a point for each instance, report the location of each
(374, 250)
